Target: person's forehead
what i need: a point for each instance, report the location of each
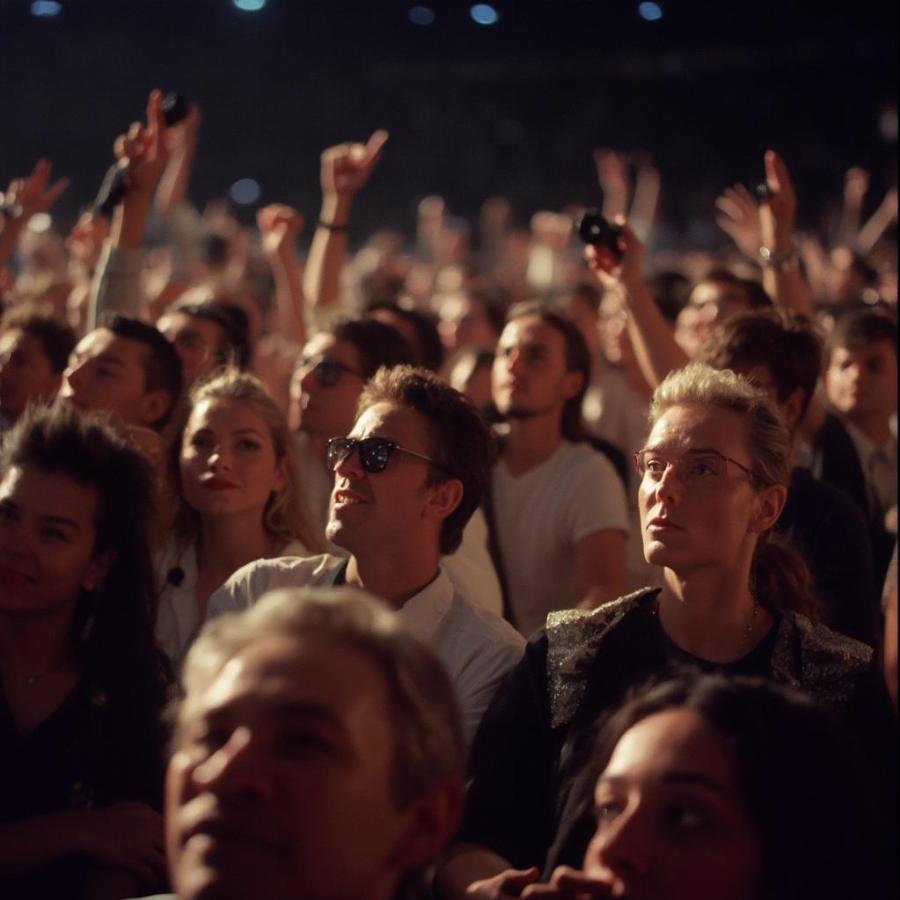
(175, 323)
(292, 676)
(531, 331)
(883, 348)
(399, 423)
(675, 742)
(50, 495)
(105, 342)
(718, 292)
(329, 347)
(696, 426)
(226, 415)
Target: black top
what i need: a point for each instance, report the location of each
(531, 782)
(831, 533)
(95, 750)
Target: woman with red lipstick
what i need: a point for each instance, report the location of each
(713, 479)
(83, 684)
(241, 500)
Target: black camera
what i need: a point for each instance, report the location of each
(594, 229)
(175, 107)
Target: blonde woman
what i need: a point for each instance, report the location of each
(241, 500)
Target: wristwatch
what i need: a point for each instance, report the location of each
(780, 262)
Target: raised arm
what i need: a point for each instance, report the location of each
(141, 153)
(782, 278)
(24, 198)
(279, 226)
(345, 169)
(651, 335)
(182, 147)
(878, 223)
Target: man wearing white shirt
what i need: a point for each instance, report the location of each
(407, 479)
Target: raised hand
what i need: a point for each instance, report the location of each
(567, 883)
(347, 167)
(279, 226)
(739, 218)
(142, 150)
(34, 194)
(780, 209)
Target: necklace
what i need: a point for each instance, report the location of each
(746, 631)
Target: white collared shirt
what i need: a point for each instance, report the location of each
(477, 647)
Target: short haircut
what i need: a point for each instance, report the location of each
(788, 348)
(818, 832)
(425, 327)
(857, 330)
(56, 338)
(578, 359)
(462, 446)
(757, 298)
(162, 365)
(376, 344)
(424, 712)
(779, 576)
(232, 320)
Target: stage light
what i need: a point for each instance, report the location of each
(421, 15)
(249, 5)
(650, 11)
(484, 14)
(245, 191)
(46, 8)
(39, 223)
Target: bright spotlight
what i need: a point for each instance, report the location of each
(249, 5)
(484, 14)
(46, 8)
(650, 11)
(245, 191)
(421, 15)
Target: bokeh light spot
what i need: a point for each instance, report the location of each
(421, 15)
(484, 14)
(650, 11)
(245, 191)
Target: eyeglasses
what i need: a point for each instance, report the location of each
(698, 470)
(374, 452)
(327, 371)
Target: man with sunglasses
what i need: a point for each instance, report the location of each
(325, 392)
(407, 479)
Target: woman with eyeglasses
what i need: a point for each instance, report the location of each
(241, 500)
(713, 481)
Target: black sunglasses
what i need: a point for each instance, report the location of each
(327, 371)
(374, 452)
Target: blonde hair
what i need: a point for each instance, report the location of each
(779, 575)
(422, 705)
(285, 516)
(768, 440)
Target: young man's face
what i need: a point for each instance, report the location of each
(107, 373)
(863, 383)
(196, 340)
(26, 373)
(281, 786)
(325, 387)
(389, 508)
(529, 375)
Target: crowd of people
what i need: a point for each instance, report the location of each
(491, 564)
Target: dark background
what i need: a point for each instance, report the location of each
(515, 108)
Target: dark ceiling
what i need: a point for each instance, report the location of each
(513, 108)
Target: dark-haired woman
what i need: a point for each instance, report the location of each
(713, 483)
(715, 788)
(83, 684)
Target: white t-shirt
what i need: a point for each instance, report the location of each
(541, 515)
(177, 616)
(471, 568)
(476, 647)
